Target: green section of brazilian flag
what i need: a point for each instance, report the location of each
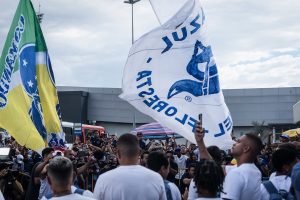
(29, 108)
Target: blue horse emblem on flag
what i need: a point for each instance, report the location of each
(208, 80)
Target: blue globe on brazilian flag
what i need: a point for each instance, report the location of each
(29, 107)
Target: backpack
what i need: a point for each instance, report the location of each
(168, 190)
(277, 194)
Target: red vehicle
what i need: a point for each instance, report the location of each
(88, 129)
(77, 131)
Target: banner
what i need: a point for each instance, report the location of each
(29, 108)
(171, 75)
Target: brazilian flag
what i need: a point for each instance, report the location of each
(29, 107)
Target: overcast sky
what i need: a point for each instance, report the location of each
(255, 43)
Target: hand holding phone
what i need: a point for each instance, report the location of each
(199, 131)
(200, 118)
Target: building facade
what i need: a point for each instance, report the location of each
(270, 107)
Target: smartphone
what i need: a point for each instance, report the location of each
(200, 118)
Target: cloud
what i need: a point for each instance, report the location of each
(254, 42)
(275, 71)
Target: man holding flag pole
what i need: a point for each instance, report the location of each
(29, 107)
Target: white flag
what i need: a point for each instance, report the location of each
(171, 75)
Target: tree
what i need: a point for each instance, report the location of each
(260, 129)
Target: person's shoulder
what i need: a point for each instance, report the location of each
(246, 167)
(73, 197)
(234, 170)
(173, 186)
(150, 174)
(148, 171)
(279, 180)
(85, 193)
(108, 174)
(296, 171)
(82, 197)
(128, 170)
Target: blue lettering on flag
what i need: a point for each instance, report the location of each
(155, 103)
(194, 24)
(228, 123)
(222, 131)
(10, 60)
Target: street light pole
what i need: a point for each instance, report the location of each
(132, 30)
(132, 41)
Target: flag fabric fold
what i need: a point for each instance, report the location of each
(29, 107)
(171, 75)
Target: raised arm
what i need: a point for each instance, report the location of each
(199, 135)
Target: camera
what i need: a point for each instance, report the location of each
(11, 174)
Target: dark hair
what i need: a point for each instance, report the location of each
(145, 152)
(156, 160)
(215, 153)
(169, 151)
(60, 169)
(46, 151)
(192, 154)
(291, 147)
(282, 157)
(99, 155)
(288, 146)
(209, 176)
(128, 145)
(256, 141)
(192, 165)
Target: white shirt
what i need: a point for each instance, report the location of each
(280, 183)
(272, 175)
(228, 168)
(174, 191)
(130, 182)
(204, 198)
(45, 188)
(192, 191)
(72, 197)
(86, 193)
(1, 196)
(197, 153)
(181, 162)
(242, 183)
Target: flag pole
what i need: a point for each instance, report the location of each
(155, 13)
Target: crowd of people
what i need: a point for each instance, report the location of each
(128, 168)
